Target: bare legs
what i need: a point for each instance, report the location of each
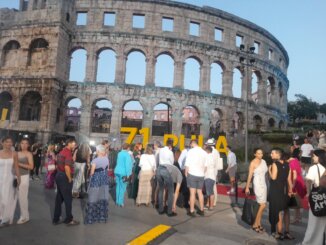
(257, 222)
(193, 199)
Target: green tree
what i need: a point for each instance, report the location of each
(322, 108)
(302, 108)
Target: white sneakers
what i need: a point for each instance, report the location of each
(22, 221)
(230, 192)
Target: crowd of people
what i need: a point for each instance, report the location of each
(163, 177)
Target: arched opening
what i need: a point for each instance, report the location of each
(215, 123)
(254, 87)
(270, 89)
(78, 65)
(106, 63)
(271, 123)
(72, 115)
(5, 105)
(161, 124)
(190, 121)
(237, 122)
(30, 106)
(280, 92)
(164, 71)
(132, 114)
(136, 68)
(258, 122)
(216, 78)
(237, 83)
(281, 125)
(101, 116)
(10, 54)
(191, 74)
(38, 53)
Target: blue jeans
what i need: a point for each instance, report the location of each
(120, 189)
(164, 180)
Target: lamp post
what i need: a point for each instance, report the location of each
(168, 100)
(247, 60)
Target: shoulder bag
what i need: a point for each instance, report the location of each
(317, 198)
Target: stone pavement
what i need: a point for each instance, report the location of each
(221, 226)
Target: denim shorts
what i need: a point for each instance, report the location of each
(209, 186)
(195, 182)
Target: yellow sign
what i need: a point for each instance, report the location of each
(220, 146)
(4, 114)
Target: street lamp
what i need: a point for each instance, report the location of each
(168, 100)
(247, 60)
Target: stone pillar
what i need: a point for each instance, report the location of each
(227, 82)
(21, 3)
(176, 120)
(148, 119)
(150, 71)
(204, 124)
(91, 67)
(116, 119)
(262, 87)
(120, 69)
(246, 85)
(85, 120)
(15, 109)
(205, 72)
(179, 67)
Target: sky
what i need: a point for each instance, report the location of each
(300, 25)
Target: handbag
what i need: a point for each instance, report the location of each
(15, 183)
(292, 203)
(317, 199)
(249, 212)
(51, 167)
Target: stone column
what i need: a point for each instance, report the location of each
(148, 118)
(91, 67)
(204, 124)
(116, 119)
(120, 69)
(85, 120)
(227, 82)
(176, 120)
(205, 72)
(15, 109)
(262, 94)
(246, 85)
(179, 66)
(150, 71)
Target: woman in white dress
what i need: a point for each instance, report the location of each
(8, 163)
(258, 170)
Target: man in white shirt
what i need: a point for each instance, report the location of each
(306, 152)
(166, 155)
(195, 172)
(232, 167)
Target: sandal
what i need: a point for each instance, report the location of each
(256, 229)
(278, 236)
(72, 223)
(262, 229)
(288, 236)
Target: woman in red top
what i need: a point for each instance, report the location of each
(299, 187)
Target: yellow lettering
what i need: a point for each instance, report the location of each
(145, 133)
(221, 144)
(170, 136)
(4, 114)
(182, 142)
(200, 139)
(132, 133)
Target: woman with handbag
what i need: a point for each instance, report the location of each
(122, 173)
(299, 189)
(25, 163)
(258, 170)
(50, 166)
(8, 167)
(316, 225)
(148, 165)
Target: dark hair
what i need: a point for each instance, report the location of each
(257, 149)
(125, 146)
(7, 138)
(321, 154)
(285, 156)
(279, 151)
(169, 143)
(228, 146)
(209, 149)
(70, 140)
(296, 153)
(104, 142)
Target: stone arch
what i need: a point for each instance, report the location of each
(165, 52)
(78, 62)
(73, 113)
(257, 122)
(132, 114)
(30, 106)
(237, 82)
(162, 119)
(138, 49)
(215, 123)
(101, 114)
(164, 70)
(190, 121)
(136, 67)
(271, 123)
(216, 79)
(9, 55)
(192, 67)
(106, 64)
(5, 105)
(38, 53)
(255, 83)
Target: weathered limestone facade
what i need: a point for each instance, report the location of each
(37, 41)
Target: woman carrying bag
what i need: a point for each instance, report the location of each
(316, 225)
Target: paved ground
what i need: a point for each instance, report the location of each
(221, 226)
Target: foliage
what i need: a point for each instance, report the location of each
(302, 108)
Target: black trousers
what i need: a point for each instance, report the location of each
(64, 194)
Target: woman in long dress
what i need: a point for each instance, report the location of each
(97, 208)
(8, 195)
(135, 171)
(258, 170)
(147, 164)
